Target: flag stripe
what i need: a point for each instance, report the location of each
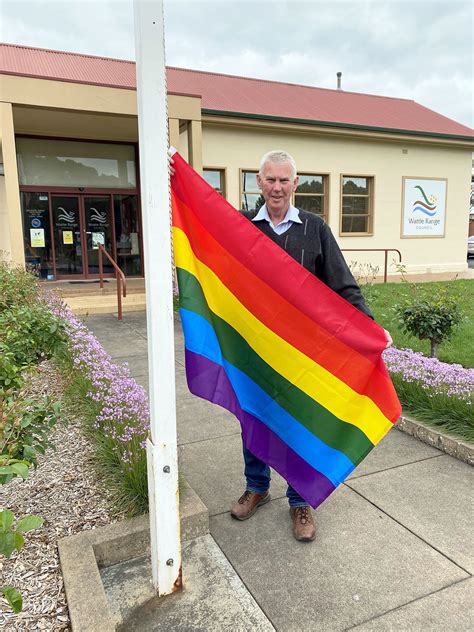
(336, 433)
(208, 380)
(274, 312)
(314, 380)
(201, 339)
(261, 255)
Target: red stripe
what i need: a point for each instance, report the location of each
(247, 244)
(275, 312)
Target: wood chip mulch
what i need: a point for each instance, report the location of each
(65, 491)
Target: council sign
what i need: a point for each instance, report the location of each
(424, 207)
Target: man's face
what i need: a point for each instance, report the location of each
(277, 184)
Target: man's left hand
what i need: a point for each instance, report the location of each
(389, 339)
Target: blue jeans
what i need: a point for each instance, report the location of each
(257, 474)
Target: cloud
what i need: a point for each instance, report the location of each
(410, 49)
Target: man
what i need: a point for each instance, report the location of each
(308, 239)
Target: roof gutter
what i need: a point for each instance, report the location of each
(315, 123)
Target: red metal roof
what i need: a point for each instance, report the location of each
(241, 95)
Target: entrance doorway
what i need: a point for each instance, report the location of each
(63, 231)
(80, 224)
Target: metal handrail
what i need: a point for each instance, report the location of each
(385, 250)
(119, 276)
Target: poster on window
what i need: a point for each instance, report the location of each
(37, 237)
(424, 207)
(98, 238)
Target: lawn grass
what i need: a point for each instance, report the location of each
(460, 349)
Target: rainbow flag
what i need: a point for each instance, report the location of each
(299, 366)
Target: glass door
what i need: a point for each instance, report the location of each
(127, 234)
(68, 251)
(98, 230)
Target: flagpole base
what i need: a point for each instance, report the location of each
(165, 528)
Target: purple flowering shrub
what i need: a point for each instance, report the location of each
(433, 391)
(116, 410)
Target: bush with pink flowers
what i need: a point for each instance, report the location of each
(115, 409)
(433, 391)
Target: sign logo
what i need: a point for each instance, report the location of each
(97, 216)
(427, 205)
(66, 216)
(35, 222)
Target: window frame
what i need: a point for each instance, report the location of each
(371, 205)
(241, 191)
(223, 171)
(324, 195)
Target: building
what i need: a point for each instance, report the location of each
(383, 172)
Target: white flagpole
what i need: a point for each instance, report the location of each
(162, 456)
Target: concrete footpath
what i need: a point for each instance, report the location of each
(394, 547)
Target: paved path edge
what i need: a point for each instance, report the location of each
(443, 441)
(82, 555)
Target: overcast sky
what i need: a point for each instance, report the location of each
(415, 50)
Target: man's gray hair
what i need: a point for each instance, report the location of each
(278, 156)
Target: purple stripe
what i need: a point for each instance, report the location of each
(209, 381)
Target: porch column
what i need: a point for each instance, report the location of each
(173, 125)
(195, 145)
(10, 216)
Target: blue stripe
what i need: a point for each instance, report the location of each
(424, 210)
(201, 338)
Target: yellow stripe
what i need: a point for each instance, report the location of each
(321, 385)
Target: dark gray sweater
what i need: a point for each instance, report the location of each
(313, 245)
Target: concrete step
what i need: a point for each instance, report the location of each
(68, 289)
(106, 304)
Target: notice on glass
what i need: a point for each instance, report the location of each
(67, 237)
(37, 237)
(98, 238)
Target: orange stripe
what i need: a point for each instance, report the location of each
(275, 312)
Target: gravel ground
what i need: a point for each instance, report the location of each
(65, 491)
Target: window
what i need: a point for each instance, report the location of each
(357, 204)
(250, 197)
(44, 162)
(216, 179)
(310, 194)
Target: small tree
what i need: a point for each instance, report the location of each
(430, 317)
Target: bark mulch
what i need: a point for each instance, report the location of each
(66, 492)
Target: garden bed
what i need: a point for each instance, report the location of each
(436, 393)
(64, 490)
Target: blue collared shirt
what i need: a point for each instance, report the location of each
(292, 216)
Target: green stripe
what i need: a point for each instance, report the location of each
(336, 433)
(314, 122)
(423, 194)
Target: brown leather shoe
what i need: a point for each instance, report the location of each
(303, 525)
(248, 504)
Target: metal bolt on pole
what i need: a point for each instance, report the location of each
(162, 444)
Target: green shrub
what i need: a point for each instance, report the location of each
(25, 423)
(11, 539)
(430, 317)
(29, 331)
